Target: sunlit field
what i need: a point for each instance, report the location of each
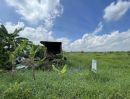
(111, 81)
(64, 49)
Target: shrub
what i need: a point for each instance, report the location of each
(128, 53)
(18, 91)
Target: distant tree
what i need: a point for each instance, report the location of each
(82, 51)
(128, 53)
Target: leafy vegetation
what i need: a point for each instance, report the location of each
(64, 69)
(73, 81)
(8, 44)
(112, 80)
(12, 47)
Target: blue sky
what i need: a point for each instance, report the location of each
(82, 16)
(71, 21)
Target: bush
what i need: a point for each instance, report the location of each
(128, 53)
(18, 91)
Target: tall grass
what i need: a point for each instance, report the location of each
(112, 80)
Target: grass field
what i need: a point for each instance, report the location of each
(112, 80)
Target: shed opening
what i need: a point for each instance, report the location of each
(53, 48)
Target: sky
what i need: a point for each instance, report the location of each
(82, 25)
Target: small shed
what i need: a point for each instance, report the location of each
(53, 48)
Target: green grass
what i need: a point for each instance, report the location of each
(112, 80)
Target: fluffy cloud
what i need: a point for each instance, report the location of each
(114, 41)
(65, 41)
(11, 27)
(98, 29)
(116, 10)
(36, 11)
(43, 12)
(37, 34)
(33, 34)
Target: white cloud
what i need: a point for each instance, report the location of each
(65, 42)
(33, 34)
(114, 41)
(42, 12)
(37, 34)
(99, 28)
(116, 10)
(36, 11)
(11, 27)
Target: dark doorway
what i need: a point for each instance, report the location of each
(53, 48)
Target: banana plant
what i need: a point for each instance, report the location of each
(17, 51)
(33, 49)
(3, 52)
(7, 44)
(31, 56)
(14, 54)
(62, 71)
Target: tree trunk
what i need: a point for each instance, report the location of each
(33, 68)
(33, 72)
(13, 71)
